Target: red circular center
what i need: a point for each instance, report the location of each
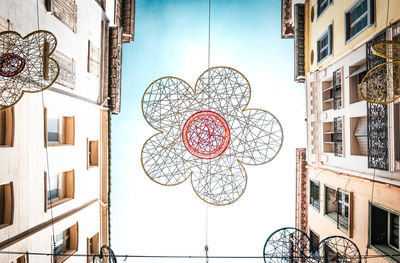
(206, 134)
(11, 64)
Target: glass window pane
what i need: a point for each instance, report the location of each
(394, 230)
(52, 129)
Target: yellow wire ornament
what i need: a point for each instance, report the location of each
(26, 65)
(381, 85)
(387, 49)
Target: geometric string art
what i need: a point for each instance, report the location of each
(381, 85)
(25, 64)
(207, 133)
(387, 49)
(293, 245)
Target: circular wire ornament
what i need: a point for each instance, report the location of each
(381, 85)
(207, 133)
(338, 249)
(26, 64)
(106, 255)
(388, 49)
(287, 245)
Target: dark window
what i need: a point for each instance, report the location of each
(324, 44)
(385, 231)
(358, 17)
(314, 194)
(322, 5)
(314, 240)
(6, 204)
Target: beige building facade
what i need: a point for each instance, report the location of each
(54, 146)
(352, 154)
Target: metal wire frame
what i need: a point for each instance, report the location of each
(26, 65)
(388, 49)
(106, 255)
(290, 244)
(256, 135)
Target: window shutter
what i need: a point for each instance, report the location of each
(350, 225)
(371, 11)
(330, 39)
(49, 5)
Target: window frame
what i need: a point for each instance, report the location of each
(370, 18)
(92, 150)
(66, 128)
(311, 181)
(10, 219)
(9, 129)
(90, 240)
(65, 186)
(329, 34)
(389, 248)
(72, 238)
(335, 216)
(320, 12)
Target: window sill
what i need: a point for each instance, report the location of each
(5, 225)
(315, 208)
(333, 217)
(65, 256)
(58, 202)
(58, 144)
(386, 250)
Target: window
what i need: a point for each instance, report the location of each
(333, 140)
(65, 10)
(66, 76)
(7, 127)
(337, 207)
(93, 59)
(92, 246)
(93, 156)
(314, 194)
(66, 242)
(6, 204)
(322, 5)
(324, 45)
(20, 259)
(358, 136)
(59, 130)
(59, 188)
(314, 239)
(358, 17)
(384, 230)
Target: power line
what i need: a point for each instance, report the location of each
(182, 257)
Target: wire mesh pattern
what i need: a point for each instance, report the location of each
(207, 133)
(381, 84)
(25, 64)
(387, 49)
(106, 255)
(293, 245)
(287, 245)
(337, 249)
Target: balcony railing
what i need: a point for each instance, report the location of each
(377, 116)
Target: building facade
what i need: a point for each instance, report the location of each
(353, 163)
(54, 145)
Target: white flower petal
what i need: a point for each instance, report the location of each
(165, 160)
(256, 136)
(167, 103)
(219, 181)
(223, 90)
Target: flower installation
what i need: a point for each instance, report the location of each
(25, 64)
(207, 133)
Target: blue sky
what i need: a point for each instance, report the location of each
(171, 40)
